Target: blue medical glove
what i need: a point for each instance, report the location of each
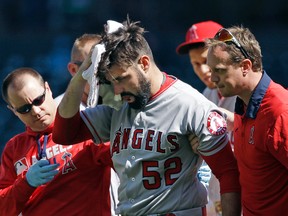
(41, 172)
(204, 174)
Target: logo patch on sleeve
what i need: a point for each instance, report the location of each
(216, 124)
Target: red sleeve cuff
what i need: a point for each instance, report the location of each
(224, 166)
(67, 131)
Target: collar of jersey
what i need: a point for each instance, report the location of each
(169, 80)
(255, 100)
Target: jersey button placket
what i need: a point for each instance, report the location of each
(133, 158)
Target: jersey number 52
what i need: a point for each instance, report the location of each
(172, 167)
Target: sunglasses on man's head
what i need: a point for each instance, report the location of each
(226, 36)
(27, 107)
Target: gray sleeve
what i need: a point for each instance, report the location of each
(209, 124)
(98, 120)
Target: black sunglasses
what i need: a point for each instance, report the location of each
(36, 102)
(226, 36)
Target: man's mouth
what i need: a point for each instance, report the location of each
(128, 98)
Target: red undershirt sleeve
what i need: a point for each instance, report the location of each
(224, 166)
(69, 131)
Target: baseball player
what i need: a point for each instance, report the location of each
(149, 144)
(194, 46)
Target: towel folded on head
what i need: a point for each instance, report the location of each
(90, 75)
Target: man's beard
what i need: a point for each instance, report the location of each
(143, 95)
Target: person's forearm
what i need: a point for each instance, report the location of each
(67, 131)
(14, 197)
(224, 167)
(71, 100)
(231, 204)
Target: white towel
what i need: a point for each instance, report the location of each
(91, 75)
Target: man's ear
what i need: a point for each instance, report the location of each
(144, 62)
(72, 68)
(48, 89)
(246, 66)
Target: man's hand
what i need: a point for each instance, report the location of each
(229, 118)
(194, 142)
(204, 174)
(41, 173)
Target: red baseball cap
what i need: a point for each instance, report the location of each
(197, 33)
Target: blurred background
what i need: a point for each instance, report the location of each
(40, 34)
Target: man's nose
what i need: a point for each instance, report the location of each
(35, 109)
(117, 88)
(214, 78)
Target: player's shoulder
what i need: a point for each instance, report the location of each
(184, 88)
(99, 109)
(209, 91)
(276, 99)
(186, 93)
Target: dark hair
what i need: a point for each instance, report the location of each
(15, 79)
(123, 47)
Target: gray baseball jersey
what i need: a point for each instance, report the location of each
(151, 151)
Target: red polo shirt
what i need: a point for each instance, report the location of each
(261, 149)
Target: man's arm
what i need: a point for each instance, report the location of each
(67, 131)
(68, 123)
(231, 204)
(14, 197)
(71, 100)
(224, 166)
(14, 191)
(278, 142)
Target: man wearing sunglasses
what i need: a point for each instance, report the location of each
(194, 46)
(261, 116)
(40, 177)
